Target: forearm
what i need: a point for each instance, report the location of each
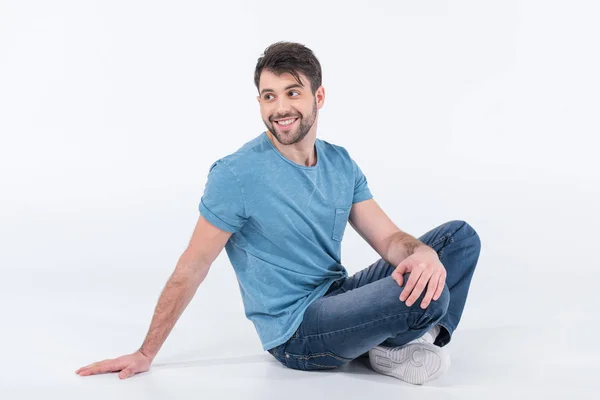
(176, 295)
(402, 245)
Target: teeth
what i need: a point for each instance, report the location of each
(286, 121)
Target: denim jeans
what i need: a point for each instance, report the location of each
(364, 310)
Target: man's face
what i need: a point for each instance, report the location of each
(288, 109)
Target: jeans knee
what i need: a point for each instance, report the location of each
(467, 231)
(438, 308)
(435, 311)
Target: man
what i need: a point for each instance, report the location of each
(280, 205)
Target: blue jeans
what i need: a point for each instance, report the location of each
(364, 310)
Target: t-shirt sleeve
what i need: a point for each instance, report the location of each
(222, 203)
(361, 186)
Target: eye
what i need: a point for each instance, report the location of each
(293, 91)
(266, 96)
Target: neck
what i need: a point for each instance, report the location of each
(302, 153)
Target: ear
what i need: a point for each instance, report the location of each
(320, 97)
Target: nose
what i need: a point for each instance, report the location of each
(282, 107)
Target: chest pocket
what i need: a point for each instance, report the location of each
(339, 222)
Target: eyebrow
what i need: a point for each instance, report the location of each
(295, 85)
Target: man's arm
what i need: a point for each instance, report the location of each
(397, 247)
(205, 245)
(373, 225)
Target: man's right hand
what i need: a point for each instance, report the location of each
(127, 366)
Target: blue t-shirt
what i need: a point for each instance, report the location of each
(288, 221)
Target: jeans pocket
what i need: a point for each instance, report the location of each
(322, 361)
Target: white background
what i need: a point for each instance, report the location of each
(111, 113)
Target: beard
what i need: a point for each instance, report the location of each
(296, 134)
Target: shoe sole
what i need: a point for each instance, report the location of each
(414, 363)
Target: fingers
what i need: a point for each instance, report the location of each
(398, 274)
(416, 283)
(432, 287)
(91, 365)
(440, 286)
(101, 367)
(126, 373)
(398, 277)
(419, 287)
(410, 284)
(93, 369)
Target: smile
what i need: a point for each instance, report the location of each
(286, 123)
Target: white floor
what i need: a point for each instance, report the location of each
(55, 323)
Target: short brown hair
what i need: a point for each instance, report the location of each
(282, 57)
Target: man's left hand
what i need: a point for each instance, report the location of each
(425, 269)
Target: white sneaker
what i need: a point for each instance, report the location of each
(416, 362)
(429, 336)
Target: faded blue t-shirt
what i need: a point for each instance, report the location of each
(288, 222)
